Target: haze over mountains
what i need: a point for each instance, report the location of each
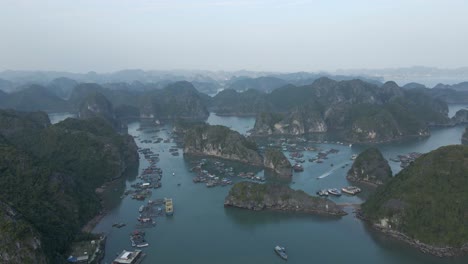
(212, 81)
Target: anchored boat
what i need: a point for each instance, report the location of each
(351, 190)
(169, 206)
(322, 193)
(334, 191)
(281, 251)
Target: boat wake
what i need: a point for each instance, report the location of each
(328, 173)
(325, 175)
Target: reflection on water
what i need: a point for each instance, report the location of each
(250, 219)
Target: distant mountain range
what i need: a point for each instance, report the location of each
(209, 82)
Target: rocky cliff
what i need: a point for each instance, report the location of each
(275, 160)
(256, 196)
(370, 167)
(460, 117)
(220, 141)
(96, 105)
(177, 100)
(352, 111)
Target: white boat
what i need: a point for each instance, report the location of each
(142, 245)
(351, 190)
(281, 251)
(334, 191)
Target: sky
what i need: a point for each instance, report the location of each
(260, 35)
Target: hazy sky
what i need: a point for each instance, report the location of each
(286, 35)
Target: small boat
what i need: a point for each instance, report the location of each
(281, 251)
(298, 167)
(169, 206)
(351, 190)
(141, 208)
(323, 192)
(119, 225)
(353, 157)
(334, 191)
(142, 245)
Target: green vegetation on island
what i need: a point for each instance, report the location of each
(49, 174)
(426, 203)
(370, 167)
(275, 160)
(257, 196)
(352, 111)
(220, 141)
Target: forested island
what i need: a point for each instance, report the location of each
(256, 196)
(425, 204)
(370, 167)
(49, 174)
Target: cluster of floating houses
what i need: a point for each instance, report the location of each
(174, 151)
(223, 176)
(407, 159)
(351, 190)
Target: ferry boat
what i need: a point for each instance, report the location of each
(351, 190)
(334, 191)
(281, 251)
(169, 206)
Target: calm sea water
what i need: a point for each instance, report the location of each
(57, 117)
(203, 231)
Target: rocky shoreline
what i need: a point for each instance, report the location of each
(437, 251)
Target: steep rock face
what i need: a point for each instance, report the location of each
(275, 160)
(370, 167)
(20, 242)
(425, 203)
(178, 100)
(220, 141)
(256, 196)
(301, 121)
(96, 105)
(265, 123)
(460, 117)
(352, 111)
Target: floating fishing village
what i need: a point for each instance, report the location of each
(211, 172)
(216, 172)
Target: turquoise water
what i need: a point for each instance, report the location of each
(203, 231)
